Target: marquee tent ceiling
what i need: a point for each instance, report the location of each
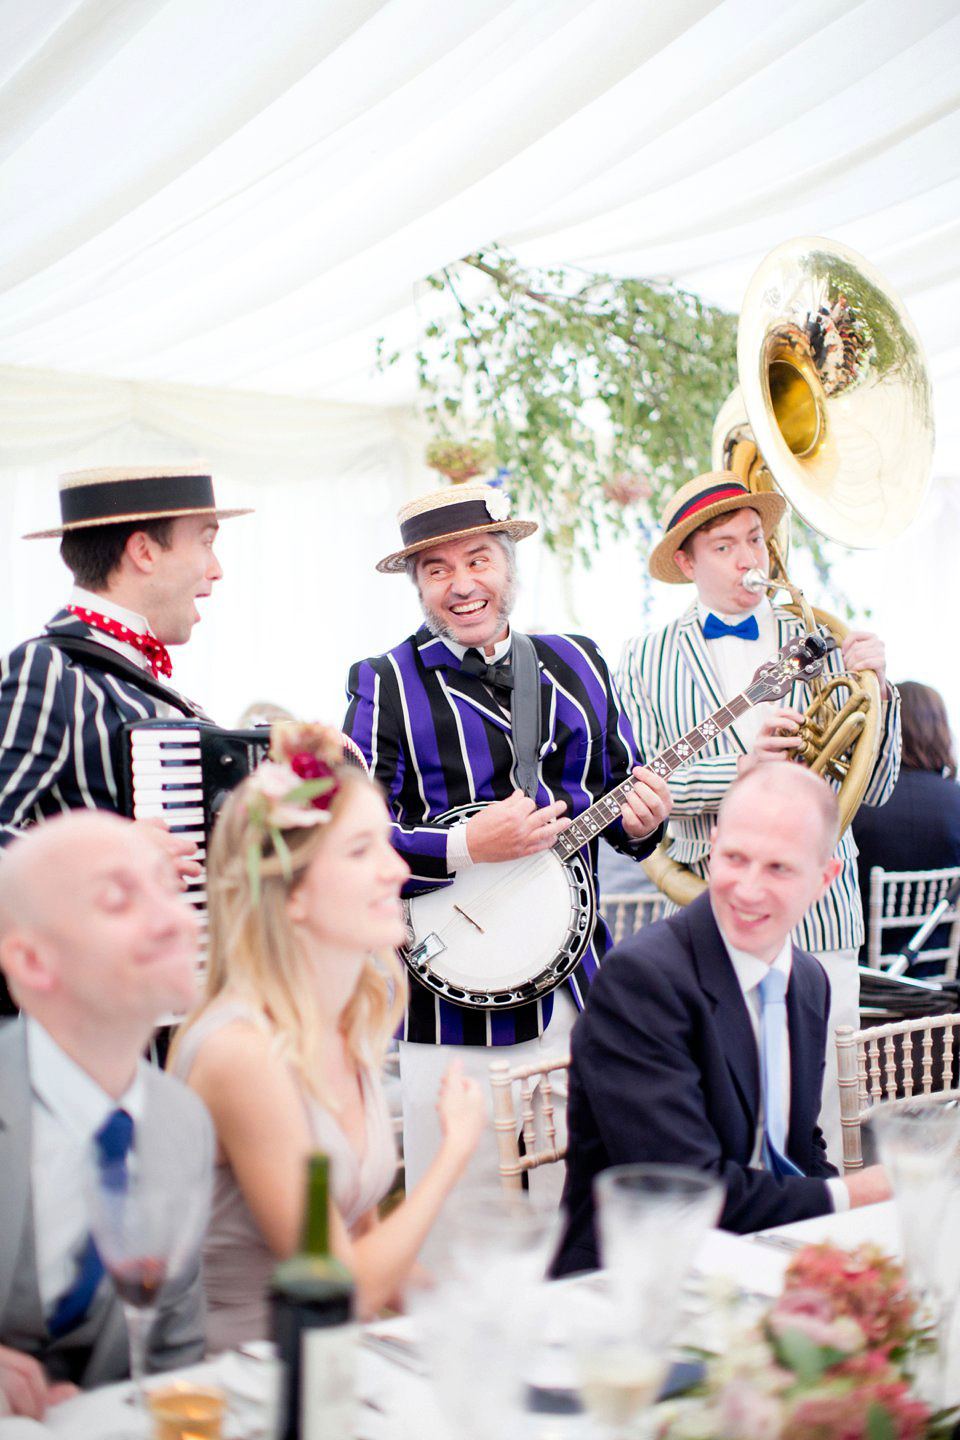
(245, 193)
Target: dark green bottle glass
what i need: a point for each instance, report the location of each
(311, 1301)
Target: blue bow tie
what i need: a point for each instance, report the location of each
(714, 627)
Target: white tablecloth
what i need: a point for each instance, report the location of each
(396, 1402)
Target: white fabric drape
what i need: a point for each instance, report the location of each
(221, 205)
(245, 194)
(300, 594)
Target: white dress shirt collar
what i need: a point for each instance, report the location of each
(68, 1092)
(101, 605)
(500, 649)
(750, 971)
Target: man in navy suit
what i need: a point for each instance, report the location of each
(669, 1055)
(715, 531)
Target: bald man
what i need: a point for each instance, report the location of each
(96, 944)
(681, 1058)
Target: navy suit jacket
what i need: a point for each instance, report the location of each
(665, 1068)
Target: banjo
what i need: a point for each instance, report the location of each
(505, 933)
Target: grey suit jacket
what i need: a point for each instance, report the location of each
(174, 1123)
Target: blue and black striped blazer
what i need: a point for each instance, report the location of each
(60, 723)
(435, 740)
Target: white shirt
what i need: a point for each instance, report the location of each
(100, 605)
(750, 972)
(67, 1110)
(458, 855)
(736, 660)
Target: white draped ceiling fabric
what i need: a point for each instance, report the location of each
(212, 208)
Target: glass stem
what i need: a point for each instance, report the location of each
(945, 1369)
(139, 1320)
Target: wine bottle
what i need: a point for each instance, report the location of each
(311, 1301)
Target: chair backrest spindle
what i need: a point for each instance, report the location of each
(877, 1065)
(898, 904)
(509, 1124)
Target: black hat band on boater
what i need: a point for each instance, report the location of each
(463, 515)
(117, 498)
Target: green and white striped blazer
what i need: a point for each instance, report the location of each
(668, 685)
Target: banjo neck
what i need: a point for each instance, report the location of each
(605, 810)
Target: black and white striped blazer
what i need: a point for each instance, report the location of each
(60, 723)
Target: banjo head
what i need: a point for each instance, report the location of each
(502, 934)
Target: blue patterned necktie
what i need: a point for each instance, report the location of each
(113, 1141)
(773, 1065)
(747, 629)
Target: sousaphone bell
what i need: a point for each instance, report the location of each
(834, 409)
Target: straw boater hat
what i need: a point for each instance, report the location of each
(115, 494)
(452, 514)
(700, 500)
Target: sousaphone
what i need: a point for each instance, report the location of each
(834, 409)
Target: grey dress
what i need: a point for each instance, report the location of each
(237, 1261)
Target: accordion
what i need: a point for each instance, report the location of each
(181, 771)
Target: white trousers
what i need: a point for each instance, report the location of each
(844, 977)
(422, 1067)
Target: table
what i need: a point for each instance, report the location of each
(396, 1401)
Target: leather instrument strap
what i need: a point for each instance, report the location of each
(525, 713)
(108, 662)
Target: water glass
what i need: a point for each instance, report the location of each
(919, 1147)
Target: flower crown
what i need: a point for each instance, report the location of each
(293, 788)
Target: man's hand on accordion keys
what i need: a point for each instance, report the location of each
(181, 850)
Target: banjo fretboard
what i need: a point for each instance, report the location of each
(605, 810)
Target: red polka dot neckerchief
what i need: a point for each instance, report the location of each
(154, 651)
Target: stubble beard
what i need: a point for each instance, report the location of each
(440, 627)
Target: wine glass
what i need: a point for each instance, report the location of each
(650, 1219)
(477, 1313)
(919, 1147)
(147, 1219)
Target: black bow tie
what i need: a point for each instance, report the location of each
(498, 676)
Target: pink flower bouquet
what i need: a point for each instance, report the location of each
(831, 1360)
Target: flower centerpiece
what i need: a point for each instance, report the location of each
(832, 1360)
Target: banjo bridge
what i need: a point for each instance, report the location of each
(469, 919)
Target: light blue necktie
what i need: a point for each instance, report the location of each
(113, 1141)
(773, 1064)
(747, 629)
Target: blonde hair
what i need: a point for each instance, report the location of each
(254, 950)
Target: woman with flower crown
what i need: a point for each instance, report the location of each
(303, 994)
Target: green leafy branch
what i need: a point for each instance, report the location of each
(599, 393)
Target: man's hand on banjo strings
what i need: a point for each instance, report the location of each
(509, 829)
(647, 805)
